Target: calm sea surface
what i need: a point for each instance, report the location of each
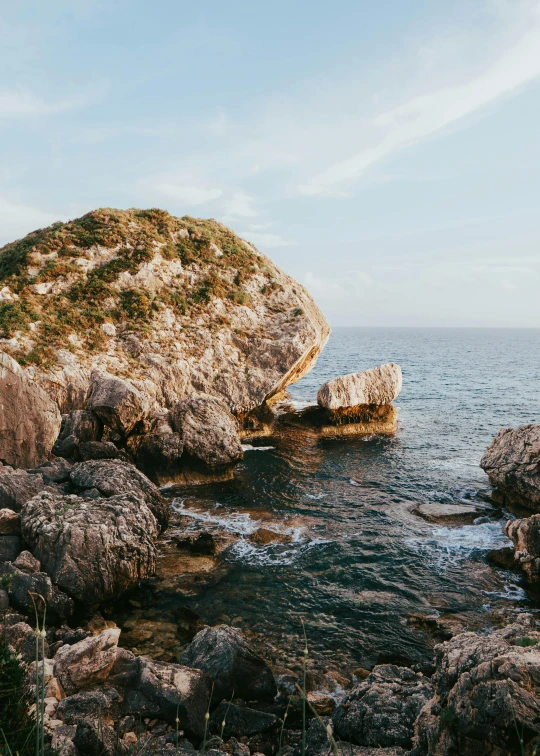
(358, 561)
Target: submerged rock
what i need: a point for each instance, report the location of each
(227, 661)
(92, 549)
(512, 463)
(452, 513)
(29, 419)
(378, 386)
(381, 710)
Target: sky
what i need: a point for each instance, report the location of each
(386, 155)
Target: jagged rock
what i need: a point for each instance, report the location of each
(68, 636)
(208, 430)
(376, 386)
(18, 487)
(21, 638)
(512, 463)
(93, 549)
(79, 426)
(26, 562)
(525, 535)
(113, 477)
(117, 402)
(87, 663)
(23, 585)
(382, 709)
(157, 450)
(175, 690)
(29, 419)
(319, 744)
(241, 721)
(10, 548)
(55, 471)
(487, 688)
(90, 705)
(228, 662)
(62, 740)
(10, 523)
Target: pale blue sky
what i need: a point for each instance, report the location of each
(385, 154)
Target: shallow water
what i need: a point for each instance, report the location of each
(356, 560)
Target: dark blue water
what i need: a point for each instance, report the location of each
(358, 560)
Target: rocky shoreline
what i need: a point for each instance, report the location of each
(182, 342)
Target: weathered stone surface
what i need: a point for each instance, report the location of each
(24, 585)
(157, 450)
(29, 419)
(437, 512)
(228, 662)
(177, 691)
(113, 477)
(10, 522)
(93, 549)
(10, 548)
(17, 487)
(525, 535)
(208, 430)
(117, 402)
(26, 562)
(364, 419)
(21, 638)
(4, 599)
(379, 385)
(319, 744)
(512, 463)
(382, 709)
(487, 688)
(98, 450)
(87, 663)
(79, 426)
(240, 721)
(90, 705)
(54, 471)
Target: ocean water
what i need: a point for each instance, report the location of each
(356, 560)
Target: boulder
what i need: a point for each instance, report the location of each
(29, 419)
(241, 721)
(525, 535)
(79, 426)
(157, 451)
(23, 585)
(93, 549)
(90, 705)
(382, 709)
(54, 471)
(176, 691)
(208, 430)
(26, 562)
(376, 386)
(512, 463)
(17, 487)
(113, 477)
(118, 403)
(227, 661)
(10, 523)
(487, 689)
(451, 513)
(10, 548)
(87, 663)
(21, 639)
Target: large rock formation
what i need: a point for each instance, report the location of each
(512, 463)
(152, 309)
(487, 694)
(93, 549)
(29, 418)
(379, 385)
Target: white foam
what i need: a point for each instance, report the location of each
(453, 545)
(249, 447)
(272, 554)
(354, 482)
(510, 592)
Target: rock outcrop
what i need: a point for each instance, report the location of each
(382, 710)
(487, 690)
(512, 463)
(155, 309)
(229, 662)
(29, 418)
(93, 549)
(377, 386)
(525, 535)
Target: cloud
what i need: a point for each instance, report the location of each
(237, 206)
(23, 104)
(427, 114)
(17, 220)
(261, 239)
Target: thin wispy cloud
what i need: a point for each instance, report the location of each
(428, 114)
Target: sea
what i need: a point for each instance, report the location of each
(353, 562)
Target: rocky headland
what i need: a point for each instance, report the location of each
(138, 349)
